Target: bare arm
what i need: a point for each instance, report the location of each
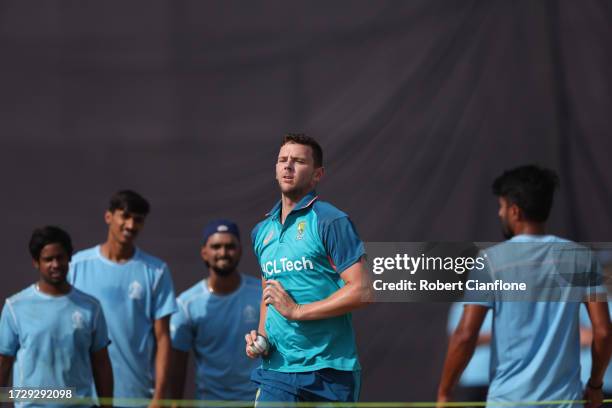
(460, 349)
(601, 349)
(6, 364)
(484, 339)
(356, 293)
(261, 329)
(179, 370)
(162, 357)
(103, 376)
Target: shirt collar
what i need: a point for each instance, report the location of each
(305, 202)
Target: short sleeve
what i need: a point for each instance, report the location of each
(484, 274)
(9, 335)
(343, 245)
(164, 303)
(100, 334)
(454, 316)
(596, 288)
(181, 329)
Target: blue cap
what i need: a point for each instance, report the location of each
(215, 226)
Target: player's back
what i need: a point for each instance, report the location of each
(535, 345)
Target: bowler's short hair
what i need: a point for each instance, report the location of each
(302, 139)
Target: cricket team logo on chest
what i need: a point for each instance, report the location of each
(135, 290)
(301, 227)
(249, 314)
(78, 321)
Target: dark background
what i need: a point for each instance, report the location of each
(418, 105)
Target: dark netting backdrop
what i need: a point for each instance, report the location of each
(418, 105)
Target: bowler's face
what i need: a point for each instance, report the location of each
(295, 170)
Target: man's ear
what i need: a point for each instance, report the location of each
(515, 212)
(319, 173)
(108, 216)
(35, 263)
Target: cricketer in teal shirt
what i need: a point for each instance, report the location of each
(306, 255)
(313, 276)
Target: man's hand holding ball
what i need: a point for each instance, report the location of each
(256, 345)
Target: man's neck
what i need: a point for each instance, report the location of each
(53, 290)
(288, 203)
(531, 228)
(116, 251)
(223, 285)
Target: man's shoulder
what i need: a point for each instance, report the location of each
(22, 296)
(327, 212)
(84, 299)
(526, 243)
(261, 225)
(84, 255)
(149, 260)
(194, 292)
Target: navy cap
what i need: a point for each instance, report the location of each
(220, 226)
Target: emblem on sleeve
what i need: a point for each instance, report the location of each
(268, 238)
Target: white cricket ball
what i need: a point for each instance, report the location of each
(260, 345)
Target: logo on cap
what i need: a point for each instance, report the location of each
(222, 228)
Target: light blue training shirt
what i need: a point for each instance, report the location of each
(52, 338)
(133, 295)
(213, 326)
(535, 350)
(306, 255)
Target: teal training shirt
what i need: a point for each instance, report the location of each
(306, 255)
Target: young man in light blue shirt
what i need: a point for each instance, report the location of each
(212, 317)
(313, 275)
(137, 296)
(53, 334)
(535, 345)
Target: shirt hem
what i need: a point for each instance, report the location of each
(316, 367)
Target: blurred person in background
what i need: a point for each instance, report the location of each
(212, 317)
(137, 296)
(535, 354)
(53, 334)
